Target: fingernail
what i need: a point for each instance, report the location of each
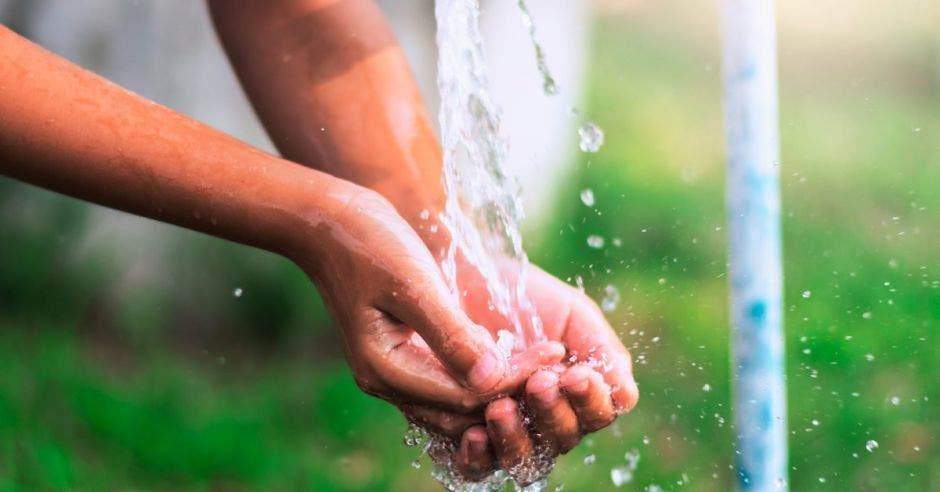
(478, 447)
(580, 387)
(485, 373)
(543, 386)
(547, 396)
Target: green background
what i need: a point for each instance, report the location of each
(182, 385)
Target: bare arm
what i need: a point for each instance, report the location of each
(68, 130)
(335, 92)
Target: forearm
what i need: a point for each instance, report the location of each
(68, 130)
(335, 92)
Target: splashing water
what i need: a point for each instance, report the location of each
(620, 475)
(587, 197)
(611, 298)
(595, 241)
(592, 137)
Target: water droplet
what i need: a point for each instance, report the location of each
(617, 242)
(425, 214)
(633, 458)
(611, 298)
(587, 197)
(869, 357)
(505, 341)
(822, 479)
(590, 459)
(646, 440)
(815, 422)
(416, 464)
(806, 294)
(871, 445)
(414, 436)
(895, 400)
(867, 315)
(706, 387)
(595, 241)
(237, 292)
(662, 281)
(592, 137)
(620, 475)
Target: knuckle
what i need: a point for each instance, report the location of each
(369, 383)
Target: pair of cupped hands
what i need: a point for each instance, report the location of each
(410, 341)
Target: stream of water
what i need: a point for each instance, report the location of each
(484, 207)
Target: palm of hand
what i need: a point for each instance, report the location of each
(583, 393)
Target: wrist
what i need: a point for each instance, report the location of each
(315, 215)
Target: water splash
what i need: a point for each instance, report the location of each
(623, 474)
(620, 475)
(591, 137)
(611, 298)
(548, 82)
(587, 197)
(595, 241)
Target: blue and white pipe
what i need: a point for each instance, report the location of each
(749, 63)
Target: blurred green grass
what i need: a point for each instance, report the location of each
(186, 387)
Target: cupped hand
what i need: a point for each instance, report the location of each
(583, 393)
(404, 333)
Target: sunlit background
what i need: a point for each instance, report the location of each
(127, 361)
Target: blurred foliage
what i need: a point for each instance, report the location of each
(178, 384)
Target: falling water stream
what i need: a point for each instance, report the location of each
(484, 208)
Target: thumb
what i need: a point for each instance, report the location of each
(466, 349)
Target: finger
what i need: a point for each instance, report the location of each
(410, 372)
(524, 364)
(589, 397)
(442, 422)
(555, 420)
(466, 349)
(507, 433)
(474, 458)
(574, 319)
(593, 340)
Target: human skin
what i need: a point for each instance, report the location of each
(334, 91)
(68, 130)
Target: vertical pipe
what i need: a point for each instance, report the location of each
(749, 65)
